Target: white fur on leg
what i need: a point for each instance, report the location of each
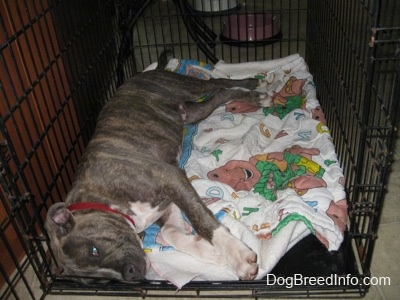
(265, 100)
(176, 235)
(243, 233)
(239, 257)
(191, 244)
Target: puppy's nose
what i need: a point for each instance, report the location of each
(130, 273)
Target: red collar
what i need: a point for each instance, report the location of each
(98, 206)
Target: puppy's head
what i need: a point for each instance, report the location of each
(94, 245)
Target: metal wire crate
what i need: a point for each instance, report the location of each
(60, 61)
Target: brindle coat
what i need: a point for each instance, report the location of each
(130, 165)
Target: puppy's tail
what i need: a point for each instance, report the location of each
(164, 58)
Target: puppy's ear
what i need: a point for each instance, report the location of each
(59, 221)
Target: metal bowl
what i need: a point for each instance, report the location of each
(251, 27)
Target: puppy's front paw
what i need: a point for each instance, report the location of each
(238, 256)
(247, 268)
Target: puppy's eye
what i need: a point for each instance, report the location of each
(95, 252)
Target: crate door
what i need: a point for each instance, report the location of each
(36, 115)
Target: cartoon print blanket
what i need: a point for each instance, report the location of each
(269, 174)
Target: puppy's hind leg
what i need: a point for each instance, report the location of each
(193, 112)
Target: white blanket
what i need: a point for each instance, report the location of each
(271, 175)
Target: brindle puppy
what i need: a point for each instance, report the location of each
(128, 179)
